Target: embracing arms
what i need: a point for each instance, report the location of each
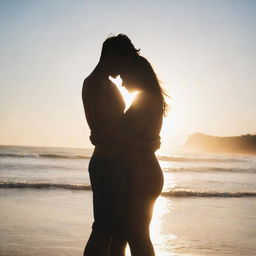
(127, 131)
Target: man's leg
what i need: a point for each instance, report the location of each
(98, 244)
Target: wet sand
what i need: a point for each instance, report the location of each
(58, 222)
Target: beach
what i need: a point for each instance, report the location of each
(207, 206)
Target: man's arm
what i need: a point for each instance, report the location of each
(93, 104)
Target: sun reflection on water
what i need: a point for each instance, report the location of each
(158, 233)
(157, 228)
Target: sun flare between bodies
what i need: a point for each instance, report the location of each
(128, 97)
(168, 120)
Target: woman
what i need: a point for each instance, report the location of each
(145, 179)
(143, 119)
(104, 108)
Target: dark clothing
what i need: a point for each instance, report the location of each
(109, 186)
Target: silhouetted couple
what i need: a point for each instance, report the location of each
(124, 172)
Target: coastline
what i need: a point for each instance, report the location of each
(243, 144)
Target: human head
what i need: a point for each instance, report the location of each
(115, 51)
(138, 75)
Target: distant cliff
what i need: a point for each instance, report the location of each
(207, 143)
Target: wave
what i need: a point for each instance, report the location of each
(189, 193)
(39, 167)
(45, 155)
(83, 156)
(210, 169)
(191, 159)
(44, 185)
(172, 193)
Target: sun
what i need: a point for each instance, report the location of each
(128, 97)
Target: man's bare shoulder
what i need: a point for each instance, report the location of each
(90, 85)
(90, 81)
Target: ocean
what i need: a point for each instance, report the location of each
(207, 206)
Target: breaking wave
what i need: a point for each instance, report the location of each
(210, 169)
(191, 159)
(189, 193)
(45, 155)
(40, 185)
(172, 193)
(84, 156)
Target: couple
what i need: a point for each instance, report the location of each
(124, 172)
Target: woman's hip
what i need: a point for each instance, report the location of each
(146, 180)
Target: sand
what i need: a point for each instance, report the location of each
(58, 222)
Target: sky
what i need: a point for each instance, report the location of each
(203, 51)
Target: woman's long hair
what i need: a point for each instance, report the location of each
(142, 71)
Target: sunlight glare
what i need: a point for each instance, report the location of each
(157, 233)
(128, 97)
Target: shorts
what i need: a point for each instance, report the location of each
(109, 186)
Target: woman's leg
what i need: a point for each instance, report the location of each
(138, 222)
(145, 186)
(98, 244)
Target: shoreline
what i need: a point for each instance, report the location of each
(58, 222)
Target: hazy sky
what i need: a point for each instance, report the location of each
(202, 50)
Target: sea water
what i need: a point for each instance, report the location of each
(207, 206)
